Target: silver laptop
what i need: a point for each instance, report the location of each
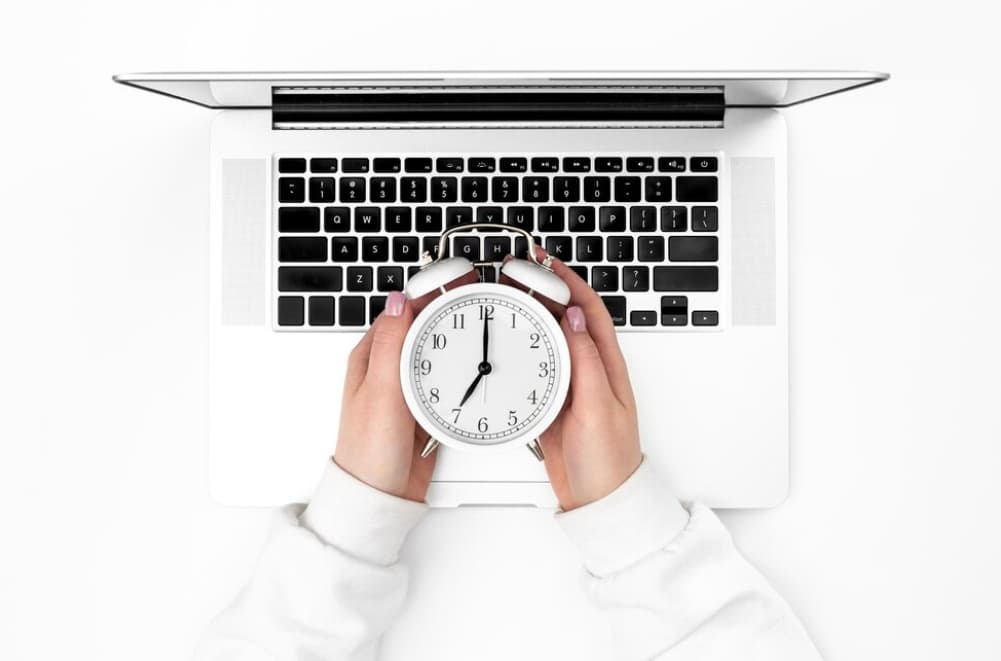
(665, 190)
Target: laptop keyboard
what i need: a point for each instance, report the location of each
(643, 230)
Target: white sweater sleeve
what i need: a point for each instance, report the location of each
(674, 585)
(327, 585)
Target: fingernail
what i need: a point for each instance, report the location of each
(394, 303)
(576, 319)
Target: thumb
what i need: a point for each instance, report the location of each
(388, 332)
(588, 379)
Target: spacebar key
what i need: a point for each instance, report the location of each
(685, 278)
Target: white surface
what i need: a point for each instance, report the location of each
(888, 544)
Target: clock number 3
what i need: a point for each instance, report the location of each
(543, 369)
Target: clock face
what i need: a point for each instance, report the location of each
(485, 365)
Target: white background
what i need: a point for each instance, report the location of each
(888, 546)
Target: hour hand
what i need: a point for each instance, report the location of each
(471, 389)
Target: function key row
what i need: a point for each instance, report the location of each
(507, 164)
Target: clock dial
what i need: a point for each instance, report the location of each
(485, 368)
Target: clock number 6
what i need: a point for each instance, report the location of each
(481, 424)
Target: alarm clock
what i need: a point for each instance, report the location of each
(485, 366)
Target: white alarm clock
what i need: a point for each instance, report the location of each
(485, 366)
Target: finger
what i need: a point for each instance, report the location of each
(388, 332)
(589, 385)
(358, 363)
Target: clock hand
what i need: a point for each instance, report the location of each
(472, 387)
(486, 335)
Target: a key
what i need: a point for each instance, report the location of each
(560, 247)
(406, 249)
(352, 189)
(474, 189)
(616, 308)
(417, 164)
(705, 318)
(298, 219)
(398, 219)
(608, 164)
(292, 165)
(589, 249)
(468, 247)
(492, 215)
(368, 219)
(455, 216)
(692, 249)
(673, 219)
(413, 189)
(354, 164)
(429, 219)
(291, 311)
(359, 278)
(612, 219)
(521, 217)
(597, 189)
(328, 165)
(351, 310)
(705, 219)
(383, 190)
(650, 248)
(671, 163)
(321, 189)
(581, 219)
(496, 247)
(535, 189)
(643, 318)
(309, 278)
(375, 249)
(704, 164)
(639, 164)
(504, 189)
(482, 164)
(674, 310)
(697, 189)
(545, 164)
(619, 248)
(658, 189)
(376, 304)
(566, 189)
(551, 219)
(389, 278)
(642, 219)
(321, 311)
(386, 164)
(444, 189)
(448, 164)
(302, 249)
(576, 164)
(635, 278)
(627, 189)
(344, 249)
(604, 278)
(685, 278)
(517, 164)
(291, 189)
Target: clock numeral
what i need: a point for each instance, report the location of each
(486, 313)
(543, 369)
(482, 425)
(435, 396)
(514, 319)
(456, 412)
(535, 341)
(425, 367)
(438, 341)
(532, 397)
(512, 419)
(458, 321)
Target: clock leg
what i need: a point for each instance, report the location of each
(536, 450)
(429, 447)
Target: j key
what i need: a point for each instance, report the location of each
(642, 219)
(671, 163)
(359, 278)
(692, 249)
(448, 164)
(545, 164)
(368, 219)
(582, 219)
(685, 278)
(521, 217)
(514, 164)
(566, 189)
(291, 189)
(405, 249)
(551, 219)
(581, 271)
(291, 311)
(607, 164)
(616, 308)
(589, 248)
(697, 189)
(576, 164)
(643, 318)
(619, 248)
(650, 248)
(309, 278)
(375, 249)
(291, 165)
(386, 164)
(352, 189)
(354, 164)
(444, 189)
(705, 219)
(389, 278)
(302, 249)
(704, 164)
(321, 310)
(376, 304)
(430, 244)
(482, 164)
(535, 189)
(658, 189)
(612, 219)
(635, 278)
(560, 247)
(639, 164)
(597, 189)
(351, 310)
(398, 219)
(627, 189)
(298, 219)
(323, 165)
(429, 219)
(455, 216)
(321, 189)
(383, 189)
(521, 246)
(496, 247)
(474, 189)
(468, 247)
(336, 219)
(605, 278)
(344, 249)
(504, 189)
(673, 219)
(492, 215)
(705, 318)
(417, 164)
(413, 189)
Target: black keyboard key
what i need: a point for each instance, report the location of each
(386, 164)
(352, 189)
(412, 271)
(704, 164)
(705, 219)
(582, 219)
(430, 244)
(429, 219)
(291, 189)
(643, 318)
(692, 249)
(468, 247)
(685, 278)
(616, 308)
(321, 189)
(545, 164)
(673, 219)
(375, 249)
(496, 247)
(551, 219)
(674, 310)
(489, 216)
(359, 278)
(444, 189)
(612, 219)
(605, 278)
(635, 278)
(597, 189)
(351, 310)
(309, 278)
(560, 247)
(398, 219)
(566, 189)
(705, 318)
(383, 190)
(671, 163)
(643, 219)
(474, 189)
(302, 249)
(417, 164)
(455, 216)
(504, 189)
(535, 189)
(576, 164)
(321, 311)
(291, 311)
(589, 249)
(482, 164)
(406, 249)
(619, 248)
(344, 249)
(639, 164)
(354, 165)
(448, 164)
(658, 189)
(413, 189)
(298, 219)
(336, 219)
(697, 189)
(514, 164)
(521, 217)
(581, 271)
(326, 165)
(521, 246)
(389, 278)
(291, 165)
(627, 189)
(376, 305)
(608, 164)
(368, 219)
(650, 248)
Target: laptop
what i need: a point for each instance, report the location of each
(665, 190)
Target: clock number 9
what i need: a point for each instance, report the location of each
(425, 367)
(482, 425)
(543, 369)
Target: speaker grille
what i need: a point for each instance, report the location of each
(244, 217)
(752, 204)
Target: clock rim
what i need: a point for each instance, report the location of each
(531, 432)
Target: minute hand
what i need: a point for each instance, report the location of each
(486, 335)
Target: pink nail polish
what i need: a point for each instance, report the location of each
(576, 319)
(394, 303)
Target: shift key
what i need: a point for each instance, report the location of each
(685, 278)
